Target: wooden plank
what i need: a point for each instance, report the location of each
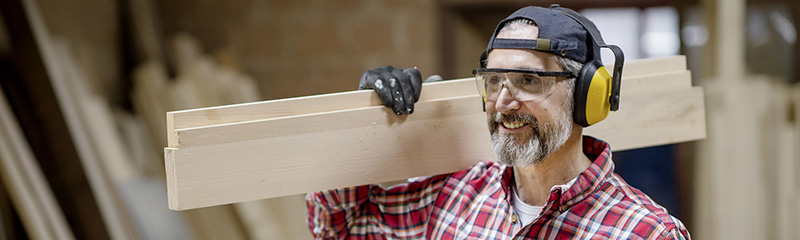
(654, 119)
(415, 147)
(647, 83)
(194, 136)
(328, 121)
(242, 161)
(652, 65)
(289, 107)
(357, 99)
(655, 82)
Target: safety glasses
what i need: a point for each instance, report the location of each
(524, 85)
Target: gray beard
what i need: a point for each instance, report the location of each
(530, 148)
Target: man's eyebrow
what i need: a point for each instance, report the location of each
(530, 68)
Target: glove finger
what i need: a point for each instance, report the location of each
(416, 81)
(406, 90)
(378, 82)
(393, 88)
(368, 79)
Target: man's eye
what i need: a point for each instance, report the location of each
(529, 79)
(493, 79)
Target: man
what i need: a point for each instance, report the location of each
(551, 182)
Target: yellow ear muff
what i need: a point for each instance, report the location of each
(592, 94)
(597, 96)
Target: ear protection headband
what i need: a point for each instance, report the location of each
(596, 91)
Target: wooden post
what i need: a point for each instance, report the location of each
(741, 169)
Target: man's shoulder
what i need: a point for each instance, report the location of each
(477, 177)
(647, 213)
(481, 170)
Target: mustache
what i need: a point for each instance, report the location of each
(498, 117)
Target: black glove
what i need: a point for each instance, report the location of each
(398, 88)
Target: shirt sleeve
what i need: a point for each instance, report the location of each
(401, 211)
(679, 232)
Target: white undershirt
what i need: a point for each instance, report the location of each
(526, 212)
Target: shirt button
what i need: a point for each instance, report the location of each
(513, 218)
(564, 208)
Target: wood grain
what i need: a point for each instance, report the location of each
(300, 106)
(652, 65)
(659, 118)
(278, 157)
(356, 99)
(669, 80)
(252, 151)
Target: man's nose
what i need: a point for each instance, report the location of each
(506, 101)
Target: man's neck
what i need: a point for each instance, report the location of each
(533, 183)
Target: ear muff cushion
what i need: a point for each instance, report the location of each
(592, 91)
(597, 99)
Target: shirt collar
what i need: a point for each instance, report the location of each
(583, 185)
(590, 179)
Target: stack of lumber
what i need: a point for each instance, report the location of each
(109, 146)
(202, 80)
(87, 124)
(28, 189)
(120, 157)
(245, 152)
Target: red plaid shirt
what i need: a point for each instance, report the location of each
(476, 204)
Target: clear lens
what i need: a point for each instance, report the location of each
(523, 86)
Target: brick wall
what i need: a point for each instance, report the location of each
(304, 47)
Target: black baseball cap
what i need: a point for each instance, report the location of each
(560, 33)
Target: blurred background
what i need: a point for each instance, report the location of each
(86, 84)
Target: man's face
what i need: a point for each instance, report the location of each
(527, 132)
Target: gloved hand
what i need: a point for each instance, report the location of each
(398, 88)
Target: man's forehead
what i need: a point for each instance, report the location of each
(523, 59)
(523, 32)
